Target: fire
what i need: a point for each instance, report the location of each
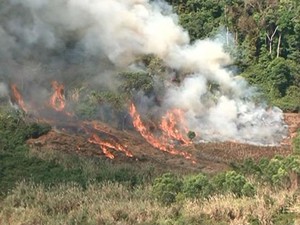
(95, 139)
(138, 124)
(170, 128)
(57, 100)
(18, 97)
(105, 145)
(117, 146)
(151, 139)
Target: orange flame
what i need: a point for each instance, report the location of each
(155, 142)
(95, 139)
(18, 97)
(141, 128)
(57, 100)
(169, 125)
(116, 146)
(104, 145)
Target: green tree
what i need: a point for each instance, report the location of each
(199, 18)
(279, 77)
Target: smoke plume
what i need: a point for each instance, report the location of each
(69, 40)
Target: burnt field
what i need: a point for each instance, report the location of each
(206, 157)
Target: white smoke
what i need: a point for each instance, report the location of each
(3, 90)
(120, 29)
(110, 34)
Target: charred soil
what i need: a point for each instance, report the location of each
(209, 157)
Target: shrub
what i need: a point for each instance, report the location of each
(191, 135)
(14, 131)
(166, 188)
(296, 144)
(248, 190)
(249, 167)
(36, 130)
(278, 171)
(233, 182)
(237, 184)
(197, 186)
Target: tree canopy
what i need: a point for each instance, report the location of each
(266, 34)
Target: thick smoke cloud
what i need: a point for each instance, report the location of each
(88, 40)
(66, 39)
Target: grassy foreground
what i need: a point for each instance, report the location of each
(113, 203)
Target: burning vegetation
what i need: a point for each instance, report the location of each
(18, 97)
(169, 135)
(143, 56)
(73, 71)
(57, 100)
(170, 132)
(57, 103)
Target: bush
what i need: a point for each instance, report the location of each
(233, 182)
(36, 130)
(197, 186)
(237, 184)
(166, 188)
(86, 108)
(277, 172)
(249, 167)
(248, 190)
(191, 135)
(296, 144)
(14, 131)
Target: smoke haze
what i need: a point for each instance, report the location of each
(88, 40)
(3, 90)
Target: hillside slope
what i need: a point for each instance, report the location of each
(209, 157)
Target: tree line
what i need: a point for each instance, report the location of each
(266, 35)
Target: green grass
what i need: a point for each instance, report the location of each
(115, 203)
(22, 164)
(17, 167)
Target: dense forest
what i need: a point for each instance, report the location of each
(54, 187)
(265, 36)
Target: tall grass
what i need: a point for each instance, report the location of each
(113, 203)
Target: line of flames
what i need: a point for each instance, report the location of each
(156, 142)
(18, 97)
(117, 146)
(57, 100)
(169, 126)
